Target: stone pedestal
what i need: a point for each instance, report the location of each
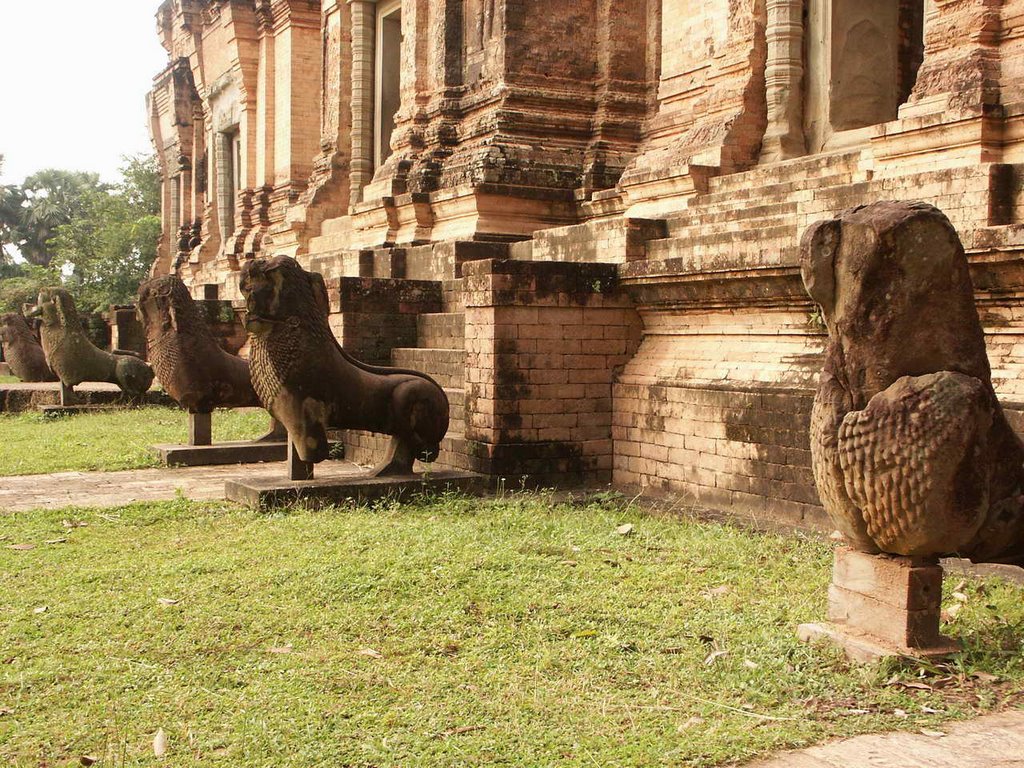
(67, 395)
(201, 451)
(270, 493)
(298, 470)
(200, 429)
(883, 605)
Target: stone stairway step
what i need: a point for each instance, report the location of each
(446, 366)
(724, 225)
(697, 241)
(779, 190)
(701, 215)
(442, 330)
(808, 167)
(452, 298)
(456, 410)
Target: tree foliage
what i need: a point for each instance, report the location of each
(98, 239)
(32, 212)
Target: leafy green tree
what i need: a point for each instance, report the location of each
(20, 284)
(107, 248)
(31, 213)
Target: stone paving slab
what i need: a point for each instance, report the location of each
(992, 741)
(107, 489)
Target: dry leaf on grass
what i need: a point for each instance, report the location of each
(62, 540)
(88, 760)
(4, 711)
(21, 547)
(160, 743)
(371, 653)
(710, 594)
(985, 677)
(624, 530)
(167, 601)
(691, 722)
(280, 649)
(458, 731)
(714, 656)
(41, 609)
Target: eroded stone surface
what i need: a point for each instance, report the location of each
(74, 358)
(23, 354)
(911, 452)
(189, 363)
(310, 384)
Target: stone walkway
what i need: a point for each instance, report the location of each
(107, 489)
(993, 741)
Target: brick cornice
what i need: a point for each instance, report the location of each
(274, 15)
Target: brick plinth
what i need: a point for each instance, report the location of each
(883, 605)
(544, 341)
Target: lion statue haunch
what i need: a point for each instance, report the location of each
(308, 382)
(189, 363)
(22, 352)
(911, 451)
(74, 358)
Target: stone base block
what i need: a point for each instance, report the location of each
(883, 605)
(865, 649)
(219, 453)
(269, 493)
(5, 369)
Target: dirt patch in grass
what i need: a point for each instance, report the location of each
(33, 444)
(450, 632)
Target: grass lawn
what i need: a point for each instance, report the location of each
(448, 633)
(9, 380)
(108, 441)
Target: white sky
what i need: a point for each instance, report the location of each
(73, 81)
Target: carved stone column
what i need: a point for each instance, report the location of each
(783, 81)
(363, 21)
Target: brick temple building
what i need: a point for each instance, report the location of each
(582, 216)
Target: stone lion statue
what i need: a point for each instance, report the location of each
(910, 449)
(308, 382)
(192, 367)
(74, 358)
(22, 352)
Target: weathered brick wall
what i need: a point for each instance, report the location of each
(370, 317)
(543, 343)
